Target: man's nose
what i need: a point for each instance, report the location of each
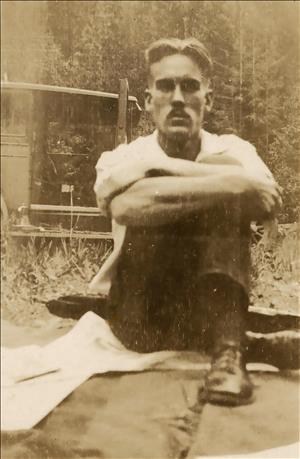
(177, 95)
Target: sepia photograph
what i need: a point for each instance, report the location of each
(150, 203)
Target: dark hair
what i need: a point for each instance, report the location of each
(189, 47)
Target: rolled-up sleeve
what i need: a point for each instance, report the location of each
(245, 153)
(117, 170)
(105, 187)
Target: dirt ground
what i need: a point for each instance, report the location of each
(155, 415)
(152, 414)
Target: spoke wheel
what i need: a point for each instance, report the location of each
(4, 224)
(257, 232)
(264, 232)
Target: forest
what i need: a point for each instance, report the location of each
(254, 45)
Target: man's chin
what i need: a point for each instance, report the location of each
(178, 133)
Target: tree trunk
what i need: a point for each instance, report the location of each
(240, 125)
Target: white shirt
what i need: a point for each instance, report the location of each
(143, 148)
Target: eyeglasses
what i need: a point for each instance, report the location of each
(189, 85)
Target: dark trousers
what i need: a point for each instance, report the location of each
(182, 285)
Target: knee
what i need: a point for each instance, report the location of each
(221, 290)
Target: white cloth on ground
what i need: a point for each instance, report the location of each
(35, 379)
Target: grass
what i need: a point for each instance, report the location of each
(39, 270)
(35, 271)
(281, 257)
(276, 272)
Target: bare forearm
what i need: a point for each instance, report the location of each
(125, 175)
(157, 201)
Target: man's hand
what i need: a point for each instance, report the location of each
(261, 199)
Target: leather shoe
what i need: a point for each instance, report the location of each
(228, 382)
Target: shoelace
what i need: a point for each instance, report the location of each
(228, 360)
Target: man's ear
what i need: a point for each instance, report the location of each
(209, 99)
(148, 100)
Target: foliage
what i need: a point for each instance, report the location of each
(255, 47)
(276, 271)
(284, 163)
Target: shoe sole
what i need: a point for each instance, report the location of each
(227, 399)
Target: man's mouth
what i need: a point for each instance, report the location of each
(179, 118)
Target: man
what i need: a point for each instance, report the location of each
(181, 202)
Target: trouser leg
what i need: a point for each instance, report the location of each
(226, 308)
(175, 282)
(139, 317)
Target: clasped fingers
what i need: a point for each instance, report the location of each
(269, 197)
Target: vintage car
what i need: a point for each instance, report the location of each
(51, 139)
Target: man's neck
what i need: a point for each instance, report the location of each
(177, 148)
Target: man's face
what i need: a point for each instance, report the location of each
(178, 96)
